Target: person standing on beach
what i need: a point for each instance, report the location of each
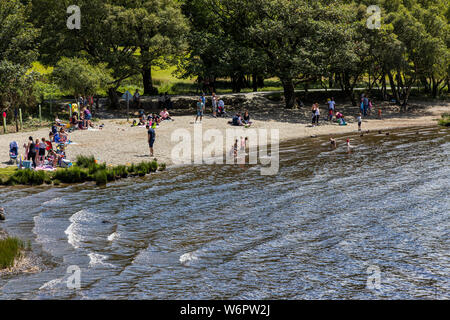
(214, 104)
(200, 109)
(313, 110)
(331, 107)
(365, 105)
(317, 113)
(151, 138)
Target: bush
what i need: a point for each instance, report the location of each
(445, 120)
(101, 178)
(153, 166)
(71, 175)
(28, 177)
(162, 167)
(85, 162)
(10, 249)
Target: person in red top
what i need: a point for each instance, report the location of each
(49, 145)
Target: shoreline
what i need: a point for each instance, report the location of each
(120, 144)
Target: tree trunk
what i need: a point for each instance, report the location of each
(254, 83)
(149, 90)
(260, 81)
(393, 87)
(113, 98)
(289, 94)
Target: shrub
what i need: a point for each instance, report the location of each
(101, 178)
(10, 249)
(85, 162)
(445, 120)
(162, 167)
(153, 166)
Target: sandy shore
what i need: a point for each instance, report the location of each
(119, 143)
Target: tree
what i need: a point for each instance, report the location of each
(79, 77)
(129, 36)
(18, 49)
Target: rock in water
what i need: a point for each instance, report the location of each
(2, 214)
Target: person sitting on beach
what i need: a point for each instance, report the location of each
(221, 108)
(63, 135)
(246, 118)
(58, 122)
(236, 121)
(74, 120)
(164, 114)
(141, 119)
(340, 118)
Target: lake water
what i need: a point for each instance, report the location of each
(317, 230)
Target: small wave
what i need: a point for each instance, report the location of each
(98, 259)
(188, 257)
(52, 284)
(73, 231)
(113, 236)
(53, 201)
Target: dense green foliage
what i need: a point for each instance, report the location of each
(86, 169)
(10, 249)
(308, 42)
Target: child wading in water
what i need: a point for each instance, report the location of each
(359, 118)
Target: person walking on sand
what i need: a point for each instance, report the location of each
(200, 109)
(313, 110)
(214, 104)
(359, 119)
(317, 113)
(331, 107)
(151, 138)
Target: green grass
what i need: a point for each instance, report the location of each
(85, 169)
(10, 249)
(445, 120)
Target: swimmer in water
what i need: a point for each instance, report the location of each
(333, 143)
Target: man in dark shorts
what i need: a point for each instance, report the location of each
(151, 138)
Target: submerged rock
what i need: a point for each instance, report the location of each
(2, 214)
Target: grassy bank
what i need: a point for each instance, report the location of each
(10, 249)
(86, 169)
(445, 120)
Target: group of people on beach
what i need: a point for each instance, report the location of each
(217, 105)
(42, 153)
(366, 107)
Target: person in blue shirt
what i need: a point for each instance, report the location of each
(151, 138)
(200, 109)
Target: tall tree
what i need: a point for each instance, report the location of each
(18, 49)
(129, 36)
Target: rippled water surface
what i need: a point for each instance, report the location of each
(226, 232)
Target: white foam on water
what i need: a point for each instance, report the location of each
(113, 236)
(53, 201)
(98, 259)
(52, 284)
(188, 257)
(73, 232)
